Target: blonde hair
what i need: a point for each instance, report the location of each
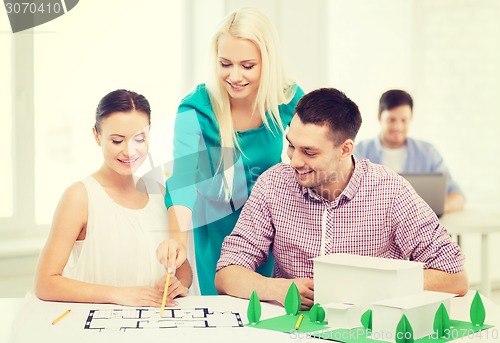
(274, 88)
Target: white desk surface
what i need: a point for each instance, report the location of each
(479, 220)
(472, 220)
(29, 320)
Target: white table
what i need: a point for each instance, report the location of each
(29, 320)
(484, 221)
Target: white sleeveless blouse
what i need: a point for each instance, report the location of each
(120, 244)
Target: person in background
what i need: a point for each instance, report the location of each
(227, 132)
(404, 154)
(326, 201)
(106, 228)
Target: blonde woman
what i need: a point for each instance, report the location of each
(227, 132)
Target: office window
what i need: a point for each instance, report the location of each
(157, 49)
(6, 127)
(82, 56)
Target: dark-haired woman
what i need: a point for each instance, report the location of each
(106, 228)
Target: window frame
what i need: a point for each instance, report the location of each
(22, 220)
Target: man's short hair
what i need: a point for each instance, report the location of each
(329, 106)
(394, 98)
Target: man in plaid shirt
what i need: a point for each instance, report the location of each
(327, 201)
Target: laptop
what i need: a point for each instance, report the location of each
(432, 187)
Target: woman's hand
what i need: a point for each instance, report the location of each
(175, 287)
(171, 254)
(140, 296)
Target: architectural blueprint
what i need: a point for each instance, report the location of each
(149, 318)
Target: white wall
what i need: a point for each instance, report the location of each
(370, 50)
(302, 30)
(457, 50)
(458, 54)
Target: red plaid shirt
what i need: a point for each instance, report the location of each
(377, 214)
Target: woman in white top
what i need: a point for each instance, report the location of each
(106, 229)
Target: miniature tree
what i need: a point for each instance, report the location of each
(404, 331)
(254, 309)
(317, 314)
(442, 323)
(477, 311)
(292, 300)
(367, 319)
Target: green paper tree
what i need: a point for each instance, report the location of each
(254, 309)
(477, 311)
(442, 323)
(366, 319)
(404, 331)
(317, 314)
(292, 300)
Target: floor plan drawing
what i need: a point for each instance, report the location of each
(148, 318)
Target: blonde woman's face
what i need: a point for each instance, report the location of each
(239, 67)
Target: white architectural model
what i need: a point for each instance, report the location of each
(348, 285)
(419, 308)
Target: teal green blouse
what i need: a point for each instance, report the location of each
(197, 183)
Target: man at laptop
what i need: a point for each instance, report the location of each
(394, 149)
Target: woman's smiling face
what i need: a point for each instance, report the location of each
(239, 66)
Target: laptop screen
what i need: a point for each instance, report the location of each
(432, 187)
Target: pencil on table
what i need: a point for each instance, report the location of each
(297, 325)
(165, 295)
(60, 317)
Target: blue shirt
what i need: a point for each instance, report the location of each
(421, 157)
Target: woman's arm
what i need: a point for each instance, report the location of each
(172, 253)
(185, 274)
(69, 222)
(68, 225)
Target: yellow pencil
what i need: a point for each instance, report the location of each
(297, 325)
(165, 295)
(61, 316)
